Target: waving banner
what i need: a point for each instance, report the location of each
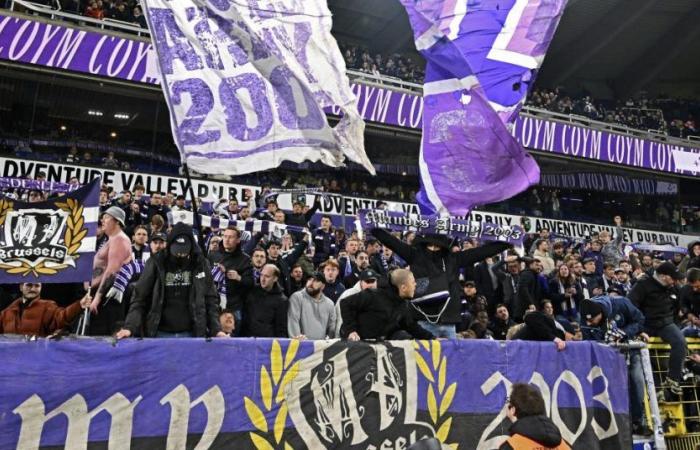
(451, 226)
(51, 241)
(291, 395)
(482, 57)
(27, 184)
(246, 83)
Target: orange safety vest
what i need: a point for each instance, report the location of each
(520, 442)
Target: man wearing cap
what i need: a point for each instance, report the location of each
(109, 259)
(656, 297)
(32, 315)
(615, 318)
(122, 289)
(180, 204)
(175, 296)
(366, 280)
(622, 281)
(311, 314)
(383, 313)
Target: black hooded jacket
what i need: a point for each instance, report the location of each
(426, 263)
(237, 260)
(537, 428)
(149, 292)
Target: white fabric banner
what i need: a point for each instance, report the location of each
(246, 82)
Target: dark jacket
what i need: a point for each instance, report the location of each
(562, 304)
(428, 264)
(529, 293)
(657, 302)
(325, 244)
(539, 327)
(149, 292)
(690, 300)
(265, 313)
(484, 282)
(240, 262)
(540, 429)
(622, 314)
(285, 263)
(499, 328)
(302, 219)
(379, 314)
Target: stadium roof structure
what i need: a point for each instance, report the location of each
(612, 48)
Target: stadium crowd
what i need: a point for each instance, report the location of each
(156, 278)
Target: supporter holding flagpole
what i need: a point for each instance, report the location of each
(107, 263)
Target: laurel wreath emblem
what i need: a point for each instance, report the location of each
(272, 385)
(5, 207)
(72, 238)
(439, 396)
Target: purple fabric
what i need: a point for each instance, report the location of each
(454, 227)
(48, 186)
(35, 238)
(477, 76)
(30, 42)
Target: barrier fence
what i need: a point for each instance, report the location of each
(286, 394)
(680, 418)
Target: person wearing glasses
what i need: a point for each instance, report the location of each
(31, 315)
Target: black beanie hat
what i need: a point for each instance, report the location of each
(590, 309)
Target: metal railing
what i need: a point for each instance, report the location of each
(677, 416)
(58, 14)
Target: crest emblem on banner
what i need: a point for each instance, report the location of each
(40, 241)
(363, 396)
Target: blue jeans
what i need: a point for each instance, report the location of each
(672, 335)
(438, 330)
(165, 334)
(637, 386)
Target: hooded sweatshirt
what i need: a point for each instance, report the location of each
(622, 313)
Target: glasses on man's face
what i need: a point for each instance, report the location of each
(32, 285)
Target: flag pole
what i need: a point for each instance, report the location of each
(196, 222)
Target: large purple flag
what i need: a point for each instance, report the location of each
(482, 57)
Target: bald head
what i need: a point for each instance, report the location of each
(404, 281)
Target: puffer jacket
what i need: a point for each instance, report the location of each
(39, 318)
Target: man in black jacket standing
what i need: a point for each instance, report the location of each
(529, 290)
(236, 265)
(266, 306)
(175, 296)
(656, 296)
(432, 263)
(383, 313)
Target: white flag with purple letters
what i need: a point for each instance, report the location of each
(246, 82)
